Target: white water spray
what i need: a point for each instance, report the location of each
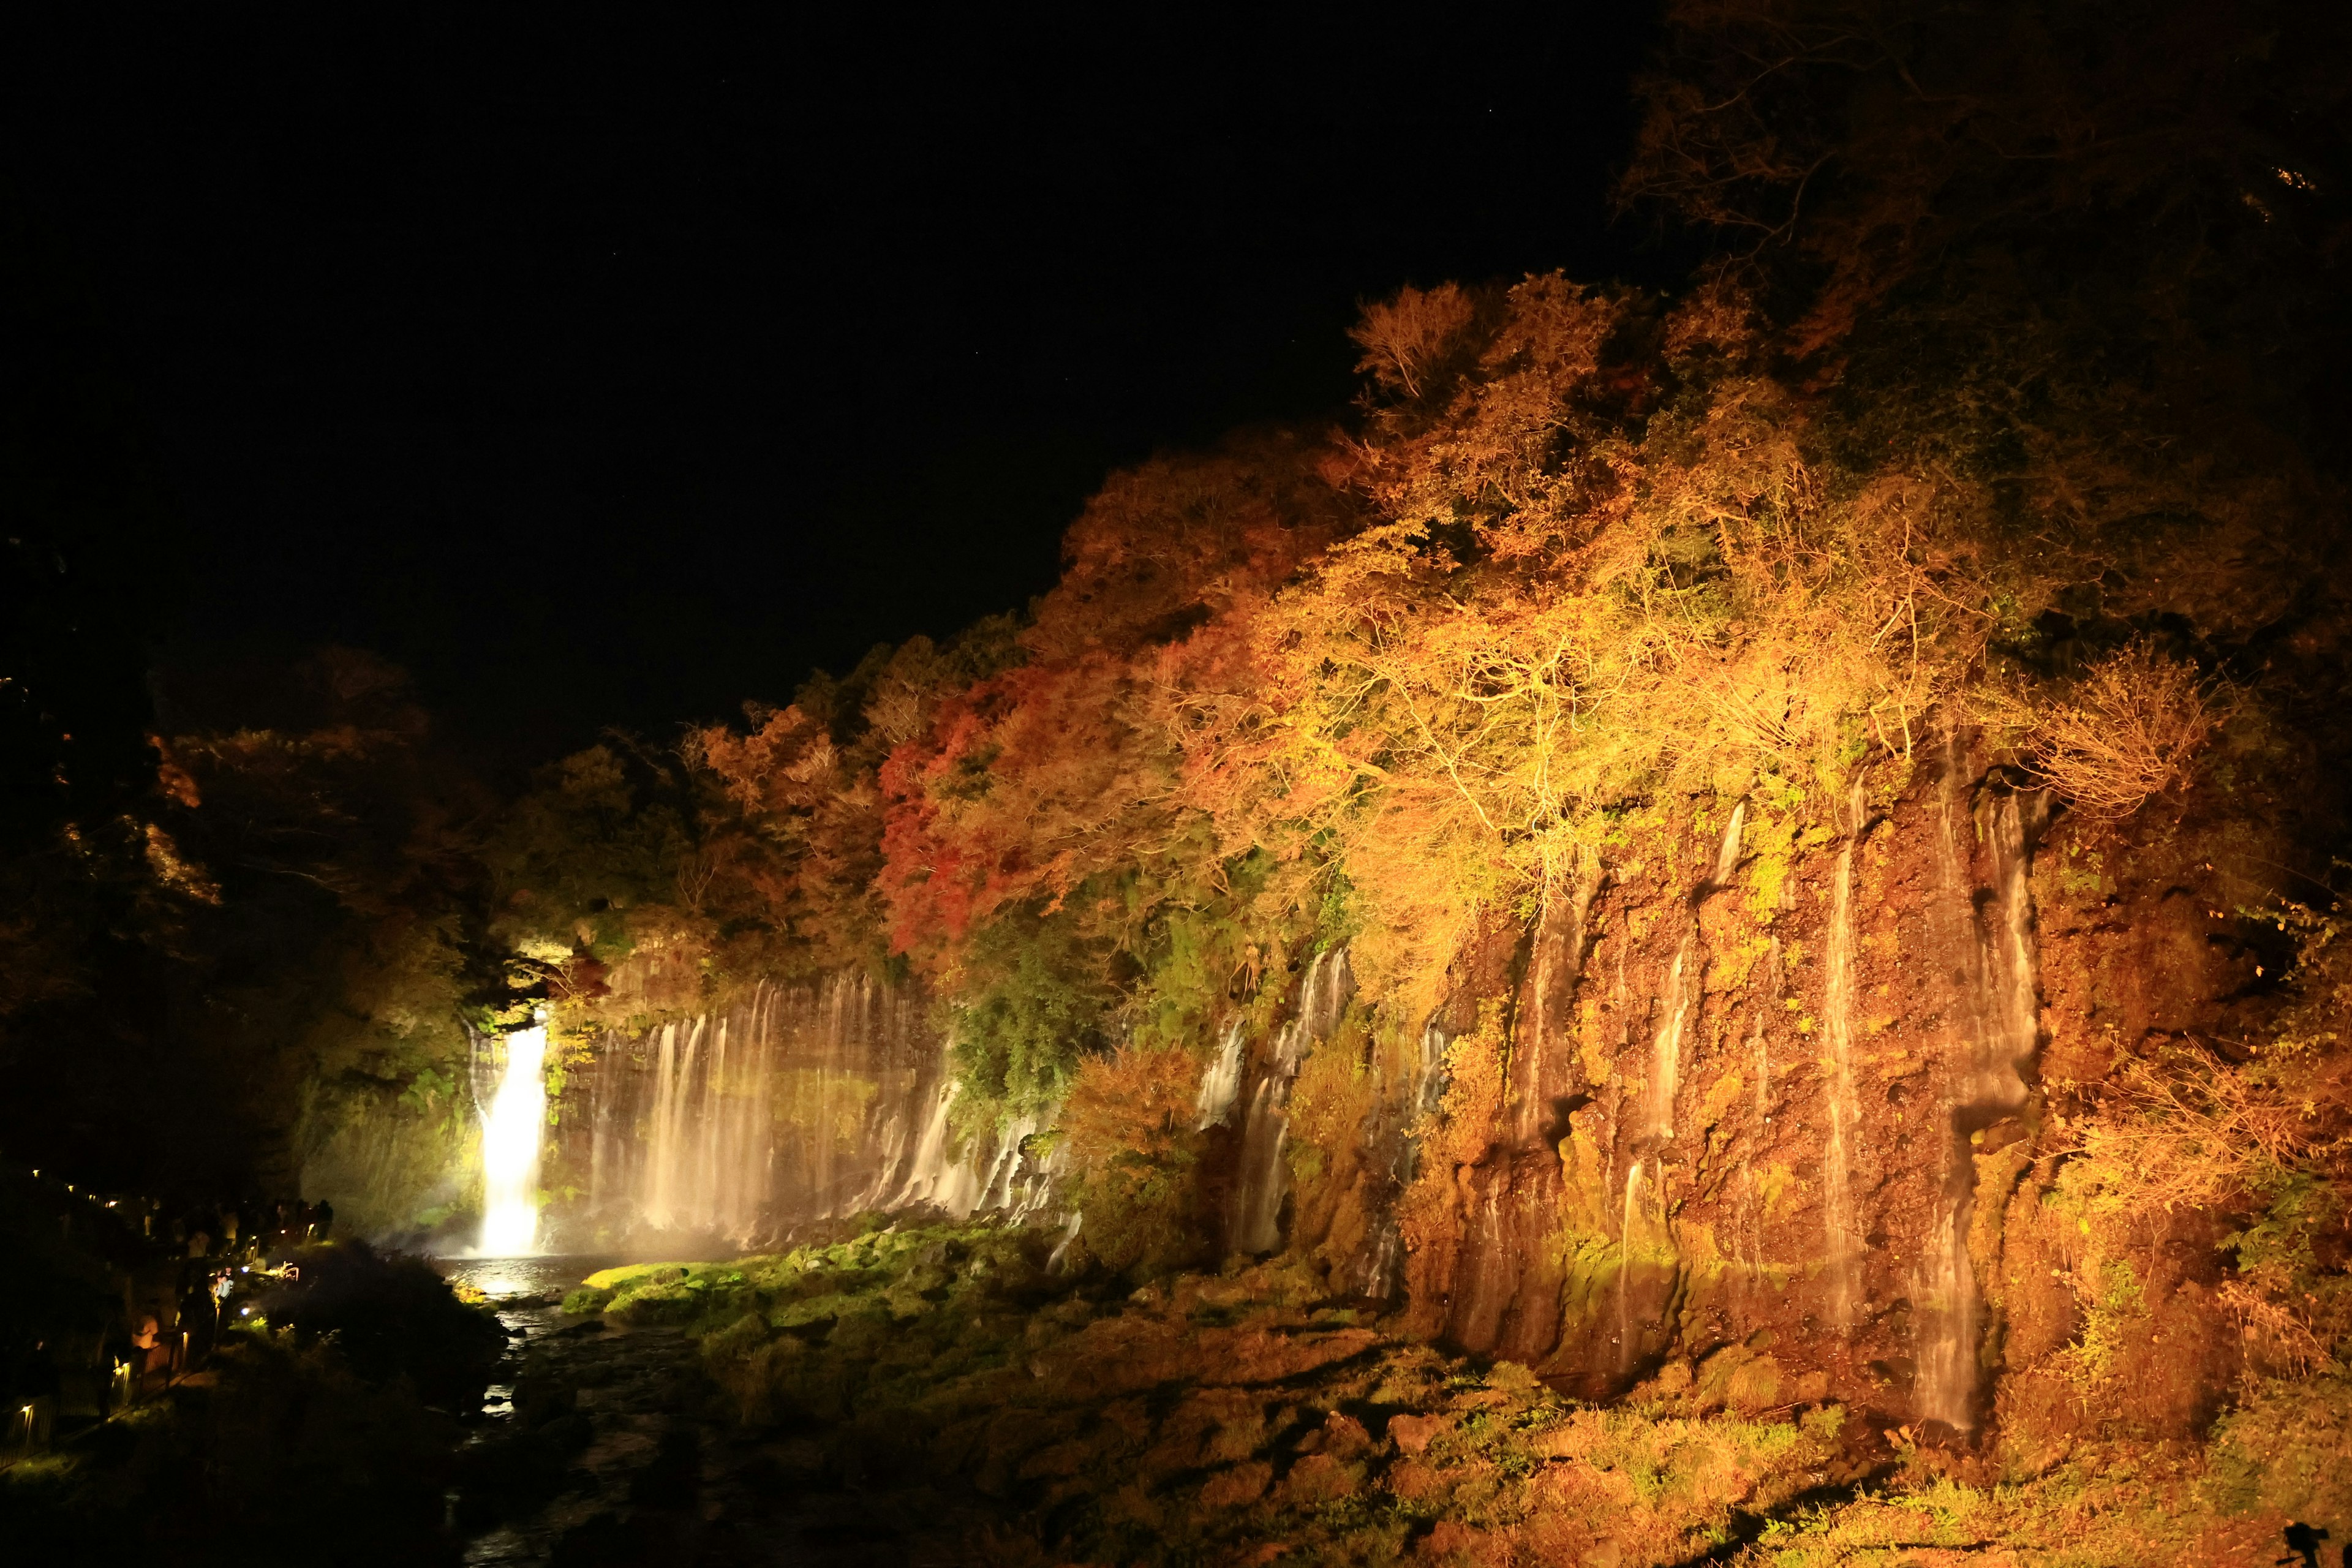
(511, 1137)
(1222, 1084)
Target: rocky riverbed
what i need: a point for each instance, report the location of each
(606, 1443)
(943, 1396)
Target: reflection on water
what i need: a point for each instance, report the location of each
(503, 1279)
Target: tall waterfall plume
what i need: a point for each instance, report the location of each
(511, 1130)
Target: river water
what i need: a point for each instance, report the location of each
(606, 1443)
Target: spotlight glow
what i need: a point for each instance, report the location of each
(510, 1135)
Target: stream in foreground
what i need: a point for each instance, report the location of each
(606, 1443)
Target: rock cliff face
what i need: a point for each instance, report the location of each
(1789, 1095)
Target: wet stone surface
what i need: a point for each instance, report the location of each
(605, 1447)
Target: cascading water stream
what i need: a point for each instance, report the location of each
(1430, 1078)
(2000, 1035)
(1727, 854)
(1666, 1048)
(1222, 1084)
(1625, 1265)
(1683, 984)
(788, 1105)
(1264, 1179)
(511, 1130)
(1843, 1238)
(1379, 1262)
(933, 1177)
(1683, 988)
(1775, 981)
(1257, 1206)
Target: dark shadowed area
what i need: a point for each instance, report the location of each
(614, 373)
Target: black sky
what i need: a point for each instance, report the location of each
(616, 373)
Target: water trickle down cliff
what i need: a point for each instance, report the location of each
(1842, 1237)
(1984, 853)
(1221, 1085)
(1655, 1144)
(797, 1104)
(993, 1171)
(1771, 983)
(1263, 1179)
(1501, 1288)
(1377, 1271)
(1685, 985)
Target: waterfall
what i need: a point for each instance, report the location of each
(932, 1177)
(1380, 1273)
(960, 1183)
(1263, 1180)
(1542, 1066)
(1683, 987)
(1013, 1184)
(1998, 1034)
(791, 1105)
(1844, 1239)
(1323, 995)
(709, 1145)
(1625, 1265)
(510, 1140)
(1061, 1252)
(1431, 1080)
(1666, 1048)
(1378, 1268)
(1257, 1209)
(1726, 855)
(1222, 1084)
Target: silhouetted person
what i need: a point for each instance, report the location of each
(326, 1219)
(2304, 1540)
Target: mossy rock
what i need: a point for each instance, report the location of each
(614, 1278)
(814, 1309)
(587, 1299)
(675, 1301)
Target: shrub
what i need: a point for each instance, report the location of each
(391, 1316)
(2129, 730)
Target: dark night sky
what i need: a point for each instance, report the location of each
(615, 375)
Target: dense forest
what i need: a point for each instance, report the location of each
(1989, 469)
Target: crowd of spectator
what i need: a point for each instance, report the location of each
(127, 1295)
